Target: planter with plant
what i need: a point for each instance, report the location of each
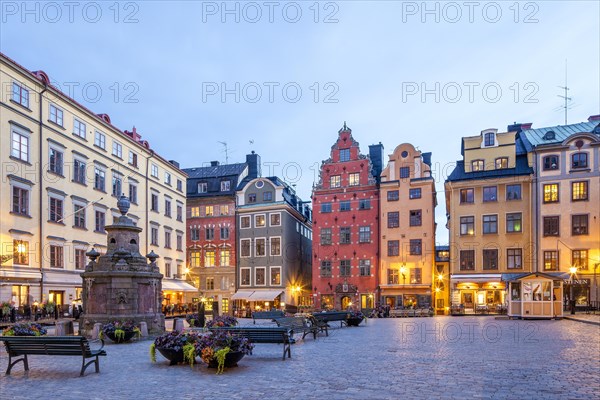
(25, 329)
(176, 347)
(222, 349)
(120, 331)
(195, 320)
(222, 321)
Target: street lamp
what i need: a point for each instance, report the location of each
(403, 273)
(572, 271)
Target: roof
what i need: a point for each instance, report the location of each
(215, 171)
(535, 137)
(521, 168)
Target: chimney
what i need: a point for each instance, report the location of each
(175, 163)
(518, 127)
(253, 161)
(594, 118)
(376, 156)
(214, 163)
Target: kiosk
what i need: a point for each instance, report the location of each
(535, 295)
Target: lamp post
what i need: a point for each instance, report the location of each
(572, 271)
(403, 273)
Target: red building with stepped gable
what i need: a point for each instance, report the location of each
(346, 226)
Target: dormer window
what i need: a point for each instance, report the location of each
(477, 165)
(579, 160)
(501, 162)
(550, 162)
(202, 187)
(489, 139)
(550, 135)
(345, 155)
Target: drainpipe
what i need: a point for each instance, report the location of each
(41, 202)
(536, 211)
(146, 197)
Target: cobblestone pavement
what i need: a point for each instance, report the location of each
(442, 357)
(582, 317)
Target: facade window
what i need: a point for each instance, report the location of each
(354, 179)
(245, 222)
(550, 162)
(551, 193)
(56, 257)
(179, 212)
(490, 193)
(167, 270)
(245, 276)
(56, 115)
(133, 193)
(225, 186)
(80, 258)
(79, 171)
(195, 234)
(325, 207)
(194, 212)
(100, 221)
(99, 179)
(489, 139)
(79, 216)
(260, 221)
(467, 226)
(168, 239)
(20, 94)
(393, 219)
(364, 204)
(245, 247)
(208, 211)
(579, 190)
(209, 233)
(56, 210)
(179, 185)
(514, 258)
(167, 178)
(210, 283)
(168, 208)
(275, 276)
(252, 198)
(393, 276)
(514, 222)
(224, 234)
(20, 201)
(345, 205)
(490, 259)
(393, 195)
(416, 275)
(579, 224)
(477, 165)
(224, 209)
(225, 257)
(325, 236)
(393, 248)
(551, 260)
(55, 161)
(275, 219)
(414, 193)
(154, 236)
(467, 260)
(209, 258)
(344, 267)
(154, 171)
(79, 128)
(416, 247)
(260, 247)
(100, 140)
(179, 242)
(579, 259)
(117, 149)
(275, 246)
(154, 202)
(260, 278)
(335, 181)
(20, 252)
(117, 185)
(364, 234)
(195, 258)
(344, 155)
(501, 162)
(325, 269)
(404, 172)
(267, 196)
(133, 159)
(551, 226)
(415, 218)
(345, 236)
(364, 267)
(513, 192)
(490, 224)
(579, 160)
(202, 187)
(467, 196)
(20, 145)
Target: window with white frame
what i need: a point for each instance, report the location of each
(79, 216)
(79, 128)
(260, 276)
(244, 276)
(245, 222)
(275, 246)
(117, 184)
(79, 171)
(133, 159)
(260, 247)
(225, 186)
(56, 256)
(210, 258)
(154, 170)
(259, 221)
(275, 219)
(168, 178)
(117, 149)
(224, 257)
(20, 144)
(56, 115)
(56, 209)
(100, 140)
(335, 181)
(20, 94)
(354, 179)
(55, 161)
(245, 248)
(275, 276)
(202, 187)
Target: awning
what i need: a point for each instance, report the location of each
(476, 277)
(265, 295)
(178, 286)
(242, 295)
(8, 273)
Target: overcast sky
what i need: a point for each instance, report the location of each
(281, 78)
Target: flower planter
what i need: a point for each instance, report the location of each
(353, 321)
(231, 360)
(125, 338)
(174, 356)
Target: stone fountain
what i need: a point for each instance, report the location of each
(121, 284)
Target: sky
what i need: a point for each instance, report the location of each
(280, 78)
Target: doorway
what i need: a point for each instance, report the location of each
(346, 302)
(467, 299)
(58, 297)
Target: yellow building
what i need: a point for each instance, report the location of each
(407, 229)
(63, 167)
(441, 280)
(488, 203)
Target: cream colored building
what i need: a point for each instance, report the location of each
(63, 167)
(407, 229)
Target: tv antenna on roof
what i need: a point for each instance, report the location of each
(226, 152)
(567, 99)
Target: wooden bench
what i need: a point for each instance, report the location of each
(263, 334)
(51, 346)
(270, 315)
(331, 316)
(298, 325)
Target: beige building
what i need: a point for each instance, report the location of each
(488, 203)
(407, 229)
(63, 167)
